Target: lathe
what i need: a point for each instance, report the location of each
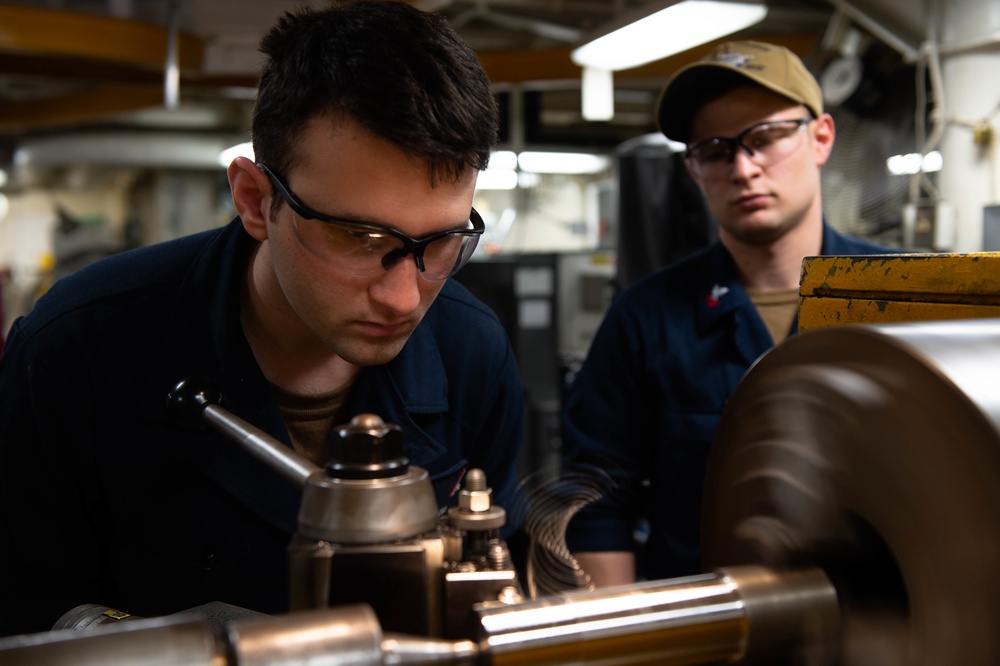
(852, 516)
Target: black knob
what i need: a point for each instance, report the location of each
(367, 448)
(188, 399)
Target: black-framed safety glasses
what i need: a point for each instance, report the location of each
(764, 143)
(367, 249)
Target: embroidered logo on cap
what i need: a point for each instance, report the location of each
(738, 60)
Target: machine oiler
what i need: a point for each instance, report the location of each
(852, 516)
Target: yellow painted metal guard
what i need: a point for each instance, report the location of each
(908, 287)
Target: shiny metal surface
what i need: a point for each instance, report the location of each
(167, 641)
(747, 613)
(402, 650)
(401, 581)
(368, 524)
(368, 493)
(475, 510)
(368, 510)
(260, 445)
(694, 620)
(86, 616)
(194, 403)
(348, 635)
(873, 452)
(793, 616)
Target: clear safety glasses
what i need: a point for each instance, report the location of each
(367, 249)
(765, 144)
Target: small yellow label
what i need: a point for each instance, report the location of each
(116, 614)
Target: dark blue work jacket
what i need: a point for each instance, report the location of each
(104, 500)
(648, 400)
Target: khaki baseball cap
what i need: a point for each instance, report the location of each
(774, 67)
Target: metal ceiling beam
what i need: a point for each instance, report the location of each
(554, 64)
(51, 32)
(67, 68)
(79, 106)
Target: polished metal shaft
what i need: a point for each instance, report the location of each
(261, 445)
(741, 613)
(746, 613)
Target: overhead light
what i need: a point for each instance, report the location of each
(662, 29)
(562, 163)
(914, 163)
(527, 180)
(496, 179)
(231, 153)
(597, 90)
(501, 174)
(503, 160)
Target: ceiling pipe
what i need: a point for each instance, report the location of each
(481, 10)
(909, 52)
(171, 75)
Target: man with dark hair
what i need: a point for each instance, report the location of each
(673, 347)
(327, 297)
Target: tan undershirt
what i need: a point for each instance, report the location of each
(777, 309)
(309, 420)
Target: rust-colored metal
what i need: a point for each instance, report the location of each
(52, 32)
(555, 64)
(89, 104)
(108, 65)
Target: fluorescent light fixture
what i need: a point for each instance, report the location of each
(639, 38)
(564, 163)
(597, 89)
(503, 159)
(501, 173)
(933, 161)
(496, 179)
(913, 163)
(527, 180)
(231, 153)
(3, 177)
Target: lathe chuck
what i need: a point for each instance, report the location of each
(873, 452)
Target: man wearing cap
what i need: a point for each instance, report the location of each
(672, 348)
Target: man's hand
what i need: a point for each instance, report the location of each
(608, 568)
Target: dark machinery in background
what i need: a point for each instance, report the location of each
(852, 514)
(662, 215)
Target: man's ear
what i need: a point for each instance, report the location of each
(252, 195)
(823, 137)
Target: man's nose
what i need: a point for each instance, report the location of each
(743, 164)
(398, 288)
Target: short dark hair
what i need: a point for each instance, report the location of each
(401, 73)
